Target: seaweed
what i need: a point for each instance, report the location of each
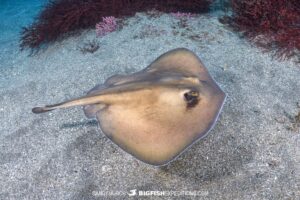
(270, 24)
(61, 18)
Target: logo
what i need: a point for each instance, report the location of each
(132, 193)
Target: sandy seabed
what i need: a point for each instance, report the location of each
(252, 153)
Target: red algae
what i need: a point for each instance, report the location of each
(271, 24)
(61, 18)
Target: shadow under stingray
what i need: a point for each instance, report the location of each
(88, 123)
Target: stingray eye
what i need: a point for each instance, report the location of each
(192, 98)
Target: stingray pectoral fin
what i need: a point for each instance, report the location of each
(148, 140)
(116, 80)
(97, 89)
(90, 111)
(178, 60)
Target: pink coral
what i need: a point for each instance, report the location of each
(108, 24)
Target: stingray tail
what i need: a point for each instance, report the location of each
(103, 96)
(98, 99)
(48, 108)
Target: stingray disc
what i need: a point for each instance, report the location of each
(156, 113)
(155, 119)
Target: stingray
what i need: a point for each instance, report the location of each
(157, 113)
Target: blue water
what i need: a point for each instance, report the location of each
(15, 14)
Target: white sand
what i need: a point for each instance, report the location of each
(251, 153)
